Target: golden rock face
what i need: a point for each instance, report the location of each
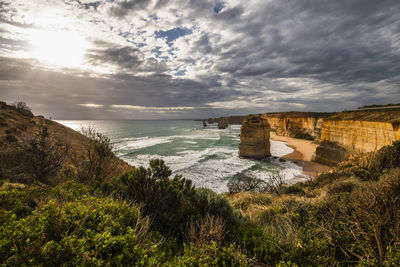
(254, 138)
(341, 138)
(292, 126)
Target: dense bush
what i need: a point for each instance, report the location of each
(88, 231)
(211, 255)
(162, 196)
(305, 136)
(209, 202)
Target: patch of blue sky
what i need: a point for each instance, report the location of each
(218, 7)
(173, 34)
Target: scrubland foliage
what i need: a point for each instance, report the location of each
(147, 217)
(43, 157)
(98, 162)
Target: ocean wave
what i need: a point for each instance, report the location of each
(140, 142)
(279, 149)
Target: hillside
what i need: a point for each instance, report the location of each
(17, 126)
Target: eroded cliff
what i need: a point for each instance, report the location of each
(254, 138)
(355, 132)
(297, 124)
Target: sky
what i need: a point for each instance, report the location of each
(168, 59)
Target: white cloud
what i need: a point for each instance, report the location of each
(91, 105)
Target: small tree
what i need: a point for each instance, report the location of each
(22, 108)
(245, 184)
(99, 161)
(44, 157)
(273, 184)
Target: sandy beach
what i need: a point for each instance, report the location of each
(302, 154)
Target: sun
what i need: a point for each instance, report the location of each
(59, 48)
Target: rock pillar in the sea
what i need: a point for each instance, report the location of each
(254, 138)
(204, 123)
(223, 123)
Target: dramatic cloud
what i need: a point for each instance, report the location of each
(143, 59)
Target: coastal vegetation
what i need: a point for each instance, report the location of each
(83, 210)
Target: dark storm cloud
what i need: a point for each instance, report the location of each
(45, 91)
(217, 57)
(122, 8)
(126, 58)
(334, 41)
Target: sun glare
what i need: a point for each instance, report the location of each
(60, 48)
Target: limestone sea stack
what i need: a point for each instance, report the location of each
(254, 138)
(223, 123)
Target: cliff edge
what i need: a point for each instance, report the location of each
(353, 132)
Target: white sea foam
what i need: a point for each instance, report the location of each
(279, 149)
(214, 166)
(208, 156)
(190, 142)
(141, 142)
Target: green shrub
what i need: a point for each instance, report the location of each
(44, 157)
(90, 231)
(211, 255)
(295, 189)
(161, 197)
(209, 202)
(305, 136)
(173, 203)
(341, 187)
(21, 201)
(388, 156)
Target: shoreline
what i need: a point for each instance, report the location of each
(302, 154)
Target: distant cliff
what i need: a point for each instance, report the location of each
(231, 119)
(297, 124)
(353, 132)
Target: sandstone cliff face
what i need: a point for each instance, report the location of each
(293, 124)
(223, 123)
(341, 138)
(254, 138)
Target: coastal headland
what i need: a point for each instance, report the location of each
(338, 134)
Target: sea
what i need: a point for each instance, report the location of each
(206, 155)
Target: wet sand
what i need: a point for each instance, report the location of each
(302, 154)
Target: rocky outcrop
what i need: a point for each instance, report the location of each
(356, 132)
(254, 138)
(223, 123)
(204, 123)
(297, 124)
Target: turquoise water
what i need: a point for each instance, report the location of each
(206, 155)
